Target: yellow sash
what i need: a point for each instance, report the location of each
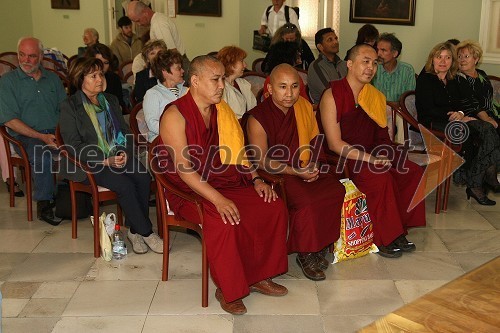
(231, 139)
(307, 128)
(373, 103)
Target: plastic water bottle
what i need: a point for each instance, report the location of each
(119, 249)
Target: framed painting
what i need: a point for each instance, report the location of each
(489, 31)
(400, 12)
(65, 4)
(199, 7)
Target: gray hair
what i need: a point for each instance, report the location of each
(40, 45)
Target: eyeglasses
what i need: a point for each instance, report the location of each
(289, 26)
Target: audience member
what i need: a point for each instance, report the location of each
(328, 67)
(374, 164)
(286, 121)
(92, 124)
(237, 91)
(367, 34)
(126, 44)
(276, 16)
(29, 107)
(161, 27)
(290, 33)
(113, 81)
(145, 79)
(470, 55)
(440, 100)
(167, 69)
(393, 77)
(283, 53)
(244, 226)
(90, 37)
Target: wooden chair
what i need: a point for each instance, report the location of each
(257, 65)
(163, 184)
(70, 60)
(23, 164)
(429, 157)
(10, 57)
(6, 67)
(124, 68)
(49, 63)
(256, 81)
(99, 194)
(64, 79)
(495, 82)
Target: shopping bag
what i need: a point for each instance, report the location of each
(261, 42)
(104, 237)
(356, 227)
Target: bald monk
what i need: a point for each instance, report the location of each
(244, 223)
(286, 120)
(352, 112)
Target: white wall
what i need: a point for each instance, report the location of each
(15, 22)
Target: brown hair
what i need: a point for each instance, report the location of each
(81, 67)
(229, 55)
(285, 29)
(163, 60)
(150, 46)
(436, 50)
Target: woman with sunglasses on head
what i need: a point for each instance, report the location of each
(114, 84)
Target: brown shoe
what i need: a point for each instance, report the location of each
(323, 263)
(310, 267)
(235, 307)
(269, 288)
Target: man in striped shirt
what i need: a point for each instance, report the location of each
(393, 77)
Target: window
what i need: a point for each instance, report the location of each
(317, 14)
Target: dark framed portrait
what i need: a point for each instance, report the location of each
(401, 12)
(65, 4)
(199, 7)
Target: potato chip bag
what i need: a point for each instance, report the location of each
(356, 227)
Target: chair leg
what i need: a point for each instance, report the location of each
(74, 208)
(119, 214)
(29, 195)
(166, 245)
(437, 207)
(204, 276)
(158, 217)
(97, 247)
(446, 193)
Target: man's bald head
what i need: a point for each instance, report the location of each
(356, 50)
(139, 13)
(283, 69)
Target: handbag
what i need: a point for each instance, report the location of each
(261, 42)
(63, 203)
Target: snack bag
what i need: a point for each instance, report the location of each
(356, 228)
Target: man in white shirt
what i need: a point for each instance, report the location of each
(161, 27)
(275, 16)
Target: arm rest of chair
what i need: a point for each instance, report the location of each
(9, 139)
(165, 183)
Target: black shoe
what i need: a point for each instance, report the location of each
(17, 191)
(404, 244)
(493, 188)
(479, 196)
(389, 251)
(45, 213)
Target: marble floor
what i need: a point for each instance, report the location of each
(52, 283)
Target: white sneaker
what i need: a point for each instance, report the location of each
(138, 244)
(154, 242)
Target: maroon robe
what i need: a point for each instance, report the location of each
(389, 191)
(314, 207)
(239, 255)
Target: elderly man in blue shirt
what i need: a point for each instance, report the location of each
(29, 107)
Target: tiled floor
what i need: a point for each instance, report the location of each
(51, 283)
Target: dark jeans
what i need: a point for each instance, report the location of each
(132, 185)
(40, 158)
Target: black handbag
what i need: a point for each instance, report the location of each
(63, 203)
(261, 42)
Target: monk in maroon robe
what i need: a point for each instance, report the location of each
(244, 224)
(277, 128)
(352, 116)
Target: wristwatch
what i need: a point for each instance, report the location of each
(257, 178)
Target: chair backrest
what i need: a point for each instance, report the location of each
(495, 82)
(70, 60)
(49, 63)
(10, 57)
(407, 105)
(129, 78)
(138, 125)
(257, 65)
(256, 81)
(124, 68)
(6, 67)
(64, 79)
(303, 75)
